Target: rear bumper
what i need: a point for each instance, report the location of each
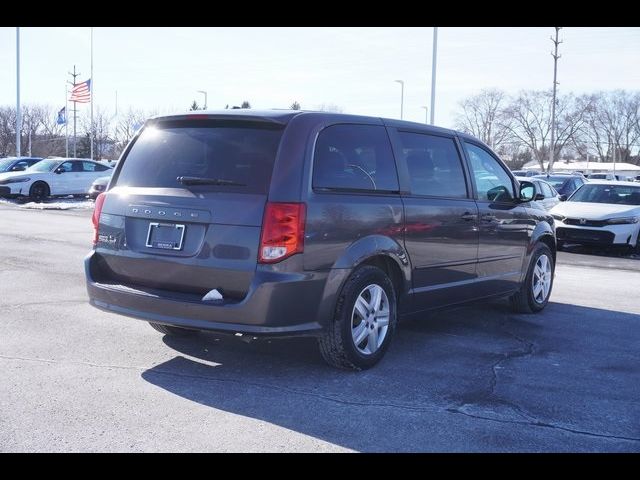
(277, 304)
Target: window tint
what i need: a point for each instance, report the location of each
(355, 157)
(239, 153)
(546, 190)
(492, 182)
(21, 163)
(434, 165)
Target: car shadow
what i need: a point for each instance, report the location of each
(437, 379)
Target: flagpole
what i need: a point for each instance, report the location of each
(91, 93)
(18, 110)
(66, 121)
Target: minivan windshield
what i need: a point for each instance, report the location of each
(615, 194)
(204, 155)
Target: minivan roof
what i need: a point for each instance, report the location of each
(284, 116)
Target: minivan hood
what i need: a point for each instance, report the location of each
(594, 211)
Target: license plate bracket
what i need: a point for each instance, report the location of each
(165, 236)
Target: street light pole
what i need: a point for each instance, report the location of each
(205, 98)
(426, 114)
(433, 73)
(401, 82)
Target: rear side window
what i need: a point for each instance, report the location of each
(434, 165)
(354, 157)
(93, 167)
(239, 156)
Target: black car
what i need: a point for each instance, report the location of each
(565, 184)
(282, 223)
(17, 164)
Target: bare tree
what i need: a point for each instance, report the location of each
(530, 116)
(295, 106)
(104, 141)
(611, 125)
(483, 116)
(126, 128)
(7, 131)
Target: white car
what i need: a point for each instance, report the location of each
(52, 176)
(600, 212)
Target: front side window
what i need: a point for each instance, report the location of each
(354, 157)
(69, 166)
(493, 184)
(546, 190)
(433, 164)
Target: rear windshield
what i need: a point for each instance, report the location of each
(238, 154)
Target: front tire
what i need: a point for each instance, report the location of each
(173, 331)
(535, 291)
(364, 321)
(39, 191)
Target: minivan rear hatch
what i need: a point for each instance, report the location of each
(184, 209)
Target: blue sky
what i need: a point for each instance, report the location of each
(353, 68)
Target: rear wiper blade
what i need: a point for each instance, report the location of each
(208, 181)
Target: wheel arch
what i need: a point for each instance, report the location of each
(377, 250)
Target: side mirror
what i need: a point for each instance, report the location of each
(59, 170)
(18, 168)
(562, 197)
(539, 196)
(527, 191)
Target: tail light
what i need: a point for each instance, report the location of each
(282, 231)
(97, 210)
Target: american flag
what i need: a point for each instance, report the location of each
(81, 92)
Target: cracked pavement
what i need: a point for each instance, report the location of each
(474, 379)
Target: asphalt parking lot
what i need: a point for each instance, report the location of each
(473, 379)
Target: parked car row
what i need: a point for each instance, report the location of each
(39, 178)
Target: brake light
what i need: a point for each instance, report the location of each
(282, 231)
(95, 218)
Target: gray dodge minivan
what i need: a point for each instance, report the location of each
(281, 223)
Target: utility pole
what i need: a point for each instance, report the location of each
(18, 111)
(75, 110)
(553, 104)
(434, 58)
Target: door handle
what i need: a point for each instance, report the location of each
(469, 216)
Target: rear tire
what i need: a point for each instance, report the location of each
(535, 291)
(39, 191)
(357, 337)
(173, 331)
